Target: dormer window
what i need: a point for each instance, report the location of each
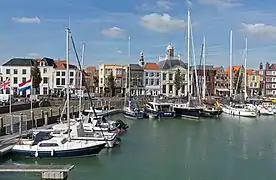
(42, 63)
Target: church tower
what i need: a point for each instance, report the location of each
(142, 60)
(169, 51)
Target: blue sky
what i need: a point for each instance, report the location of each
(36, 28)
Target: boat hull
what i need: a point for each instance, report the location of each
(191, 113)
(211, 113)
(238, 112)
(134, 115)
(86, 151)
(160, 114)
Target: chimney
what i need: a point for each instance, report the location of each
(267, 65)
(261, 66)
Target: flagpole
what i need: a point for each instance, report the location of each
(31, 101)
(10, 105)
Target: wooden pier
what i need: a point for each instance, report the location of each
(54, 172)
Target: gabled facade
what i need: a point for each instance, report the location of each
(270, 79)
(221, 82)
(169, 64)
(152, 79)
(136, 78)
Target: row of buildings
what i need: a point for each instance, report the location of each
(143, 78)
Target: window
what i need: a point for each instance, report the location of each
(15, 71)
(170, 88)
(15, 80)
(23, 79)
(157, 74)
(62, 81)
(256, 85)
(164, 76)
(48, 145)
(71, 80)
(170, 77)
(157, 82)
(164, 88)
(152, 74)
(45, 90)
(8, 71)
(45, 80)
(71, 73)
(44, 70)
(147, 74)
(147, 81)
(62, 73)
(253, 78)
(57, 81)
(152, 82)
(58, 73)
(24, 71)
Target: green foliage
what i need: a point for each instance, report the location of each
(177, 80)
(36, 77)
(111, 84)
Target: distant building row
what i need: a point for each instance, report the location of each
(143, 78)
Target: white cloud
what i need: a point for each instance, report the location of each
(160, 5)
(161, 23)
(189, 3)
(26, 19)
(222, 3)
(260, 30)
(120, 52)
(34, 54)
(114, 32)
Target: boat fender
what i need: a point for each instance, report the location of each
(36, 154)
(52, 152)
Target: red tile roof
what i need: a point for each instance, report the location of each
(152, 66)
(234, 68)
(62, 64)
(91, 68)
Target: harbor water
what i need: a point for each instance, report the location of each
(229, 148)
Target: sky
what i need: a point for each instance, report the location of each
(36, 28)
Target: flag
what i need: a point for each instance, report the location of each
(5, 84)
(25, 85)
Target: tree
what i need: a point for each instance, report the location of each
(36, 78)
(177, 80)
(111, 84)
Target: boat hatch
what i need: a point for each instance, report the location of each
(48, 145)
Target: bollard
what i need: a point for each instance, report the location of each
(11, 123)
(1, 123)
(1, 126)
(46, 118)
(51, 112)
(20, 124)
(59, 111)
(34, 122)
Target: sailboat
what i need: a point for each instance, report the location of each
(208, 111)
(43, 144)
(244, 110)
(185, 109)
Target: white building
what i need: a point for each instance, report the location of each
(53, 74)
(152, 79)
(18, 70)
(169, 64)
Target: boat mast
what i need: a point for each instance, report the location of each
(67, 81)
(81, 91)
(245, 69)
(188, 58)
(231, 59)
(204, 70)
